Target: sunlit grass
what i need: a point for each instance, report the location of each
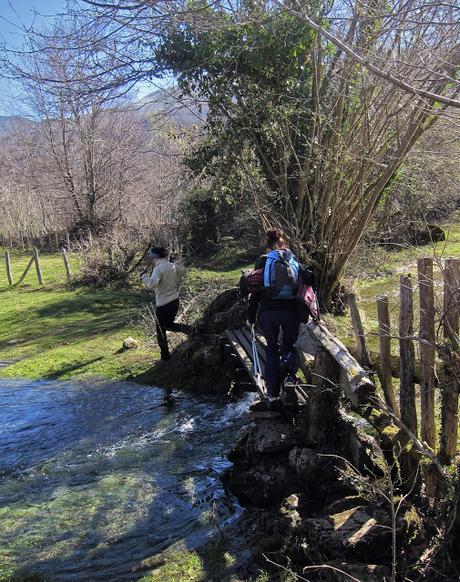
(383, 278)
(51, 332)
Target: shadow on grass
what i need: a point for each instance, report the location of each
(87, 314)
(63, 370)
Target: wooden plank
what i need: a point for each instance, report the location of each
(240, 352)
(449, 381)
(358, 383)
(26, 270)
(241, 345)
(302, 393)
(406, 355)
(248, 342)
(427, 351)
(67, 267)
(358, 331)
(323, 407)
(244, 342)
(241, 342)
(385, 373)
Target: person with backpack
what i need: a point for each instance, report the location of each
(276, 307)
(165, 279)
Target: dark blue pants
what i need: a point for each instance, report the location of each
(281, 357)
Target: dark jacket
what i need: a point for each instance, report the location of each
(258, 301)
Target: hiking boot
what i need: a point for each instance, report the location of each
(265, 405)
(289, 396)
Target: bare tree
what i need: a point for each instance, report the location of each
(368, 79)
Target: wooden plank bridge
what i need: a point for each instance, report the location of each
(312, 337)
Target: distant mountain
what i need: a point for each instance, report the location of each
(182, 110)
(7, 122)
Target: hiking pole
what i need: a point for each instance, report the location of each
(256, 364)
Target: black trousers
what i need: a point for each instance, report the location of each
(166, 314)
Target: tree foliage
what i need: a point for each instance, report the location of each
(324, 134)
(316, 103)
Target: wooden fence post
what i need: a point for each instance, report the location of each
(449, 380)
(358, 330)
(26, 270)
(9, 273)
(406, 355)
(37, 266)
(383, 315)
(427, 351)
(67, 267)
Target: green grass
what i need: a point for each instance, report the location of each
(210, 563)
(382, 277)
(51, 332)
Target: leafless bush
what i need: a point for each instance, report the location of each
(109, 258)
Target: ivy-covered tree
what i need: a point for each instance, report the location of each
(319, 133)
(317, 103)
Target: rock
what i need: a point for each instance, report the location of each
(197, 365)
(428, 235)
(265, 483)
(346, 503)
(130, 343)
(289, 509)
(304, 462)
(342, 571)
(355, 533)
(225, 312)
(271, 437)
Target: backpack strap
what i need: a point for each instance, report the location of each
(272, 257)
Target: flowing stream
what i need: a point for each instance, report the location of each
(96, 477)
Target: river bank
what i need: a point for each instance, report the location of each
(51, 332)
(57, 333)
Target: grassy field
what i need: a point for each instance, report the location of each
(379, 274)
(51, 332)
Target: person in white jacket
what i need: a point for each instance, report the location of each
(165, 280)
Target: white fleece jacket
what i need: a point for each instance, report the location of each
(165, 280)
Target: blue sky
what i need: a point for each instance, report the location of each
(14, 15)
